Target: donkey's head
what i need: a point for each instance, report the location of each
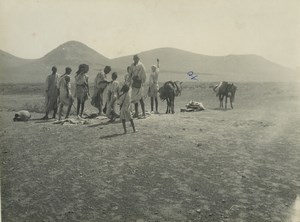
(178, 89)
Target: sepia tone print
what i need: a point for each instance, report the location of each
(150, 110)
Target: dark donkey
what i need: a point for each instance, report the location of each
(225, 89)
(168, 92)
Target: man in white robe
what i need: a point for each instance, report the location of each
(137, 75)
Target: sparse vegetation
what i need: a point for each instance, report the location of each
(214, 165)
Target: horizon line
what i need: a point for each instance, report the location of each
(165, 47)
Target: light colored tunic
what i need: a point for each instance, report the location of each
(65, 96)
(51, 92)
(100, 83)
(81, 91)
(60, 77)
(125, 101)
(137, 70)
(153, 84)
(112, 95)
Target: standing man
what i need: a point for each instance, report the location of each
(51, 93)
(137, 74)
(100, 84)
(65, 96)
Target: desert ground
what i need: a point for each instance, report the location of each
(240, 164)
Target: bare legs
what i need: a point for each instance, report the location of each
(60, 111)
(100, 106)
(156, 104)
(47, 113)
(136, 107)
(60, 108)
(124, 125)
(100, 109)
(80, 105)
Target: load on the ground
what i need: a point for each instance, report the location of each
(193, 106)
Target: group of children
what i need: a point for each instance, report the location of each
(106, 97)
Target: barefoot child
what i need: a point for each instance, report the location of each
(153, 86)
(125, 114)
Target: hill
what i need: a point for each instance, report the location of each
(68, 54)
(213, 68)
(175, 64)
(8, 60)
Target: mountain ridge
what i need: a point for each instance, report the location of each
(245, 67)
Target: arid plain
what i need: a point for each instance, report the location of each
(213, 165)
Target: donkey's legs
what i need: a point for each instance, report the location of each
(168, 105)
(221, 97)
(172, 104)
(225, 102)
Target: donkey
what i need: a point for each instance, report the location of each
(168, 92)
(225, 89)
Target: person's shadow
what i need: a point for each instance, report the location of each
(104, 123)
(111, 136)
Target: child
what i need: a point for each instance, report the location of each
(125, 100)
(112, 95)
(153, 86)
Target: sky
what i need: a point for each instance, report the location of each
(114, 28)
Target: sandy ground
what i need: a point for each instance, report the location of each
(214, 165)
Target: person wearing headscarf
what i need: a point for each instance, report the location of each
(82, 87)
(137, 75)
(153, 86)
(100, 84)
(51, 91)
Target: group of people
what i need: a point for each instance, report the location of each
(108, 96)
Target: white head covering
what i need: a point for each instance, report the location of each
(154, 66)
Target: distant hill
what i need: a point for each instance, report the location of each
(175, 64)
(212, 68)
(68, 54)
(8, 60)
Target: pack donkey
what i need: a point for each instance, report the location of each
(225, 89)
(168, 92)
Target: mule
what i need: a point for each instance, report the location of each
(225, 89)
(168, 92)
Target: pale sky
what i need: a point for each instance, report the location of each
(270, 28)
